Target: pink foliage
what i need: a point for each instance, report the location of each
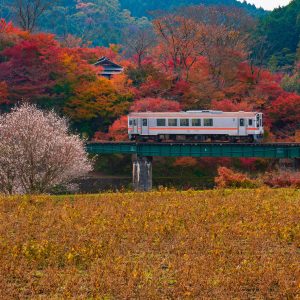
(282, 179)
(248, 163)
(37, 151)
(185, 162)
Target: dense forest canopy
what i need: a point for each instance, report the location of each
(186, 55)
(144, 8)
(282, 31)
(101, 22)
(199, 56)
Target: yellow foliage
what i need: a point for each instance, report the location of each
(221, 244)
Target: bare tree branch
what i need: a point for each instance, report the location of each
(28, 12)
(138, 41)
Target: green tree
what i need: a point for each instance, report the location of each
(282, 31)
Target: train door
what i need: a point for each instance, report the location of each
(242, 127)
(135, 125)
(145, 127)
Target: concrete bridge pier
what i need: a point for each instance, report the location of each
(142, 173)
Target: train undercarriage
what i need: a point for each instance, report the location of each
(197, 138)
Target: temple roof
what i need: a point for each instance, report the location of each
(109, 68)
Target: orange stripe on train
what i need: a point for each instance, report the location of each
(178, 128)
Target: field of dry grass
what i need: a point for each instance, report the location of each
(222, 244)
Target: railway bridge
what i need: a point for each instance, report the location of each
(143, 153)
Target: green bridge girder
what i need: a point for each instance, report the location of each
(266, 150)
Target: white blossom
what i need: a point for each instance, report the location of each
(37, 151)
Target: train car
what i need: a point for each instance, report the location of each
(203, 125)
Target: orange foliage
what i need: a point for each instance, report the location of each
(185, 162)
(122, 84)
(9, 34)
(155, 105)
(286, 108)
(119, 129)
(192, 66)
(96, 98)
(230, 105)
(227, 179)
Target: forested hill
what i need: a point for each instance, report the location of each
(282, 31)
(102, 22)
(141, 8)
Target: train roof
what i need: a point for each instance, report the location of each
(194, 113)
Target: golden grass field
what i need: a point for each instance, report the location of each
(221, 244)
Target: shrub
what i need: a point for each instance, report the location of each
(119, 129)
(227, 178)
(282, 179)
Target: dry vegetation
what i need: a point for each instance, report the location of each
(222, 244)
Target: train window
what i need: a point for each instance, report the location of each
(184, 122)
(134, 122)
(242, 122)
(161, 122)
(172, 122)
(196, 122)
(250, 122)
(257, 121)
(145, 122)
(130, 122)
(208, 122)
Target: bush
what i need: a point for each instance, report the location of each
(282, 179)
(227, 179)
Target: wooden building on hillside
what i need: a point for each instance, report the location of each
(109, 68)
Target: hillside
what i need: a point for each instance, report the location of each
(282, 31)
(102, 22)
(142, 8)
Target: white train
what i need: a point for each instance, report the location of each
(204, 125)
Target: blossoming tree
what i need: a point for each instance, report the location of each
(37, 151)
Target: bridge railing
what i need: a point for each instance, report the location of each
(274, 150)
(143, 152)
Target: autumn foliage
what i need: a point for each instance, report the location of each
(227, 178)
(30, 67)
(3, 92)
(119, 129)
(187, 63)
(282, 179)
(220, 244)
(155, 105)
